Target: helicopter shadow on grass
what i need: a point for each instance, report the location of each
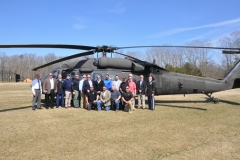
(207, 100)
(24, 107)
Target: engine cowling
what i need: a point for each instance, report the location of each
(119, 63)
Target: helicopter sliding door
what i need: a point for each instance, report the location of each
(158, 81)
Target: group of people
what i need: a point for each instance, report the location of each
(100, 94)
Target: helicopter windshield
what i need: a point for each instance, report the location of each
(54, 72)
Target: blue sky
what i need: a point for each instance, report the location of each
(113, 22)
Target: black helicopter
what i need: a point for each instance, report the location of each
(166, 82)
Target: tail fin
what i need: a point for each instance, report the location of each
(232, 78)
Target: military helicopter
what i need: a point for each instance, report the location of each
(166, 82)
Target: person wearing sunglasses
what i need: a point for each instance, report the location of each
(49, 89)
(86, 85)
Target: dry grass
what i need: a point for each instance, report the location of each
(190, 127)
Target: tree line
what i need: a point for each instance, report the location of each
(200, 62)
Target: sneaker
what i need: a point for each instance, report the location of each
(33, 109)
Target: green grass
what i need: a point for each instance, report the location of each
(190, 127)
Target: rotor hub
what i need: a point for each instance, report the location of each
(105, 49)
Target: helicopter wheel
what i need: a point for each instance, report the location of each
(216, 101)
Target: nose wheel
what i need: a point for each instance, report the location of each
(215, 100)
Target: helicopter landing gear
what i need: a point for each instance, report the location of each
(215, 100)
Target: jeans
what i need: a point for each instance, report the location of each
(99, 106)
(115, 105)
(60, 98)
(76, 98)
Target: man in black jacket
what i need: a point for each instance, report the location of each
(151, 86)
(76, 91)
(60, 92)
(141, 87)
(98, 84)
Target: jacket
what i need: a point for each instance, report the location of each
(60, 89)
(68, 85)
(76, 84)
(86, 86)
(151, 87)
(98, 86)
(142, 87)
(108, 83)
(106, 97)
(47, 85)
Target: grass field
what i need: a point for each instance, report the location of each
(190, 127)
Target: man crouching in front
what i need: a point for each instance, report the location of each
(105, 97)
(127, 99)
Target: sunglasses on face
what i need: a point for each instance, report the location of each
(88, 77)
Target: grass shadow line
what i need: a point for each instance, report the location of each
(13, 109)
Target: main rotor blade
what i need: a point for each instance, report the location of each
(127, 56)
(177, 47)
(231, 52)
(66, 46)
(64, 59)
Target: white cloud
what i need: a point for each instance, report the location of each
(179, 30)
(78, 26)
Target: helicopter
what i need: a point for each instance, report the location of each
(166, 82)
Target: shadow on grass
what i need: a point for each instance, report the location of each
(185, 107)
(207, 100)
(13, 109)
(19, 108)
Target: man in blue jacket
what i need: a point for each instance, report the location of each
(68, 87)
(108, 82)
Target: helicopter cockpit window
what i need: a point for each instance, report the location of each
(54, 72)
(95, 74)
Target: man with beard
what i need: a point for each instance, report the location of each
(76, 91)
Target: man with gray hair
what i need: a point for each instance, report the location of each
(37, 92)
(141, 87)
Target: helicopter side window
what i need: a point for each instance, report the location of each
(95, 74)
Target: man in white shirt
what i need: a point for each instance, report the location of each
(82, 95)
(117, 82)
(49, 88)
(36, 91)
